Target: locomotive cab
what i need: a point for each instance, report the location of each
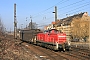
(53, 31)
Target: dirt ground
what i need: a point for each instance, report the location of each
(11, 50)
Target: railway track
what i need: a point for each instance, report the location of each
(44, 54)
(47, 54)
(84, 53)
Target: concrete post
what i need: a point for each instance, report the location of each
(15, 22)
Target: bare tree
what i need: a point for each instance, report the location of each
(80, 28)
(2, 28)
(34, 25)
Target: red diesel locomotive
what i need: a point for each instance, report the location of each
(52, 39)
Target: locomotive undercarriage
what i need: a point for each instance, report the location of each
(53, 46)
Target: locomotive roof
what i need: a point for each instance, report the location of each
(51, 29)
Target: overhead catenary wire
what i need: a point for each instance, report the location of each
(71, 4)
(74, 6)
(68, 11)
(58, 8)
(75, 9)
(79, 10)
(43, 24)
(42, 12)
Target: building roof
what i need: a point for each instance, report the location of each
(68, 20)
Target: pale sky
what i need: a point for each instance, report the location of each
(40, 10)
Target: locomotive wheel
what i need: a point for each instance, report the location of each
(51, 47)
(48, 46)
(69, 48)
(40, 44)
(54, 48)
